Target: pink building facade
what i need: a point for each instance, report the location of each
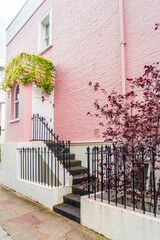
(88, 41)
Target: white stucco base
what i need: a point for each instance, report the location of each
(10, 177)
(45, 195)
(117, 223)
(80, 149)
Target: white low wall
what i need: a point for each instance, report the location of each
(117, 223)
(10, 177)
(45, 195)
(80, 149)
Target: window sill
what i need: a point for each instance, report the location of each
(14, 120)
(45, 49)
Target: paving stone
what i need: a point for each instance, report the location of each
(27, 220)
(4, 235)
(2, 232)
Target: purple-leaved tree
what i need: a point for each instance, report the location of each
(131, 124)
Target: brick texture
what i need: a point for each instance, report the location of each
(86, 47)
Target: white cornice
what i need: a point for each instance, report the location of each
(22, 17)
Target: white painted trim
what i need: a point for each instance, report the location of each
(46, 49)
(14, 120)
(40, 32)
(21, 18)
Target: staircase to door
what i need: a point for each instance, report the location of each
(70, 208)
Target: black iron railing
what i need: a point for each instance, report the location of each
(124, 177)
(40, 165)
(42, 132)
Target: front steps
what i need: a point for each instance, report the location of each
(71, 206)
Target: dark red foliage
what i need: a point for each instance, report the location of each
(132, 121)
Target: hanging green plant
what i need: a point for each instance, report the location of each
(25, 68)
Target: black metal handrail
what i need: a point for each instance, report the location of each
(42, 132)
(38, 165)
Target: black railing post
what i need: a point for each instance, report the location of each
(101, 173)
(48, 167)
(42, 166)
(33, 127)
(47, 132)
(30, 164)
(45, 162)
(108, 174)
(133, 182)
(52, 168)
(52, 134)
(95, 179)
(97, 169)
(49, 136)
(37, 126)
(63, 146)
(69, 156)
(23, 174)
(42, 130)
(58, 157)
(115, 171)
(92, 169)
(55, 163)
(38, 165)
(33, 162)
(124, 166)
(35, 165)
(143, 186)
(154, 185)
(88, 166)
(21, 163)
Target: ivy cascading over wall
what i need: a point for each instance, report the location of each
(25, 68)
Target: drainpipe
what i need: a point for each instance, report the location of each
(122, 42)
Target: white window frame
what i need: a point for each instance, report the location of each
(44, 21)
(15, 103)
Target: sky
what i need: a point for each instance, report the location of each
(8, 10)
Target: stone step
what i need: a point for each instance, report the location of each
(78, 170)
(79, 189)
(66, 156)
(80, 178)
(82, 189)
(73, 163)
(72, 199)
(68, 211)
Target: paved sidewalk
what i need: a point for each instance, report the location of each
(23, 219)
(4, 235)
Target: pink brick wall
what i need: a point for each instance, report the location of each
(19, 131)
(86, 47)
(142, 41)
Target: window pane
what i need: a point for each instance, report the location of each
(47, 41)
(47, 30)
(47, 35)
(17, 93)
(17, 110)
